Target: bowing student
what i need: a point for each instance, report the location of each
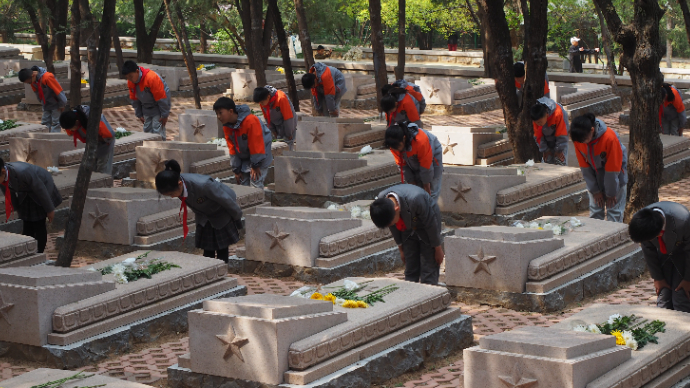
(31, 191)
(74, 122)
(400, 106)
(218, 216)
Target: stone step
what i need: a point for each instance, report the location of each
(503, 159)
(348, 240)
(470, 100)
(38, 258)
(586, 94)
(599, 106)
(366, 89)
(474, 92)
(493, 148)
(364, 138)
(159, 222)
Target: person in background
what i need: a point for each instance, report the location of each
(453, 42)
(75, 121)
(49, 92)
(218, 216)
(672, 116)
(150, 97)
(574, 54)
(31, 191)
(414, 220)
(249, 142)
(418, 154)
(519, 69)
(399, 106)
(278, 112)
(663, 231)
(327, 86)
(603, 160)
(414, 90)
(321, 53)
(551, 127)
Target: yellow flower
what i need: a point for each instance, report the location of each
(619, 337)
(316, 296)
(83, 81)
(350, 304)
(362, 305)
(200, 67)
(280, 70)
(330, 297)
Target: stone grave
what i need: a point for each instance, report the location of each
(536, 270)
(461, 144)
(171, 74)
(44, 375)
(64, 181)
(558, 356)
(21, 128)
(359, 92)
(495, 153)
(213, 81)
(244, 83)
(593, 98)
(312, 178)
(41, 149)
(441, 90)
(273, 341)
(478, 98)
(11, 91)
(335, 134)
(559, 89)
(116, 93)
(74, 317)
(199, 126)
(17, 250)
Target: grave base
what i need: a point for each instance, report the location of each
(469, 106)
(58, 224)
(289, 199)
(118, 341)
(602, 279)
(675, 171)
(100, 249)
(388, 364)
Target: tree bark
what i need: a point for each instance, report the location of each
(118, 51)
(304, 34)
(285, 53)
(75, 57)
(91, 35)
(202, 36)
(266, 32)
(88, 163)
(380, 73)
(606, 39)
(47, 47)
(478, 17)
(642, 53)
(61, 34)
(256, 13)
(669, 45)
(524, 8)
(185, 48)
(686, 16)
(244, 8)
(400, 69)
(146, 40)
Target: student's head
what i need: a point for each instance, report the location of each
(386, 89)
(2, 171)
(384, 212)
(168, 181)
(389, 103)
(68, 119)
(26, 75)
(667, 92)
(320, 49)
(261, 96)
(539, 113)
(645, 225)
(582, 128)
(308, 80)
(397, 137)
(575, 41)
(519, 69)
(131, 71)
(226, 110)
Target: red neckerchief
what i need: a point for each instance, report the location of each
(183, 209)
(143, 75)
(40, 90)
(76, 135)
(400, 225)
(662, 244)
(267, 109)
(8, 196)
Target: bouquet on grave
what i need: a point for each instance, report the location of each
(7, 124)
(121, 132)
(629, 330)
(558, 228)
(346, 296)
(129, 270)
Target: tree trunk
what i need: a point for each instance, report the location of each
(146, 40)
(89, 160)
(686, 16)
(478, 19)
(118, 51)
(669, 46)
(642, 53)
(256, 13)
(524, 8)
(285, 53)
(183, 41)
(202, 36)
(61, 34)
(246, 17)
(47, 47)
(400, 69)
(92, 35)
(304, 34)
(606, 39)
(380, 73)
(75, 57)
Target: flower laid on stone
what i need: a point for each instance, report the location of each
(629, 330)
(350, 290)
(316, 296)
(354, 304)
(218, 141)
(280, 70)
(84, 81)
(121, 132)
(53, 170)
(530, 163)
(59, 383)
(365, 150)
(304, 292)
(330, 297)
(7, 124)
(129, 270)
(558, 228)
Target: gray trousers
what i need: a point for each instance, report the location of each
(104, 156)
(51, 119)
(153, 125)
(420, 266)
(670, 298)
(247, 179)
(324, 106)
(615, 213)
(670, 127)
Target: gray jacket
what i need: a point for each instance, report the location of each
(677, 240)
(144, 102)
(596, 176)
(419, 212)
(421, 104)
(278, 125)
(28, 180)
(549, 140)
(671, 114)
(82, 131)
(414, 171)
(211, 201)
(51, 100)
(338, 80)
(238, 138)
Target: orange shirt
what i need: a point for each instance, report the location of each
(248, 138)
(150, 80)
(420, 147)
(280, 101)
(556, 118)
(405, 105)
(546, 86)
(607, 143)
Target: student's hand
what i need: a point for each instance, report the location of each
(599, 199)
(402, 254)
(334, 113)
(427, 187)
(438, 254)
(547, 155)
(685, 286)
(51, 216)
(596, 49)
(560, 156)
(255, 173)
(660, 285)
(610, 202)
(238, 179)
(141, 119)
(582, 49)
(163, 121)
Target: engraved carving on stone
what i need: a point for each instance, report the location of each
(30, 153)
(300, 173)
(4, 308)
(246, 83)
(234, 344)
(460, 191)
(277, 237)
(517, 379)
(98, 218)
(198, 128)
(317, 135)
(158, 163)
(448, 147)
(432, 91)
(482, 261)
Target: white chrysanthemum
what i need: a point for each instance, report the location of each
(2, 121)
(548, 226)
(628, 336)
(632, 344)
(92, 269)
(366, 150)
(121, 278)
(366, 215)
(339, 301)
(530, 163)
(557, 231)
(355, 212)
(580, 328)
(612, 318)
(574, 222)
(520, 171)
(120, 129)
(53, 169)
(118, 268)
(593, 329)
(534, 225)
(303, 291)
(333, 207)
(519, 226)
(129, 261)
(350, 285)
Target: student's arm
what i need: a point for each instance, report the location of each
(136, 104)
(52, 83)
(39, 191)
(235, 161)
(588, 172)
(220, 194)
(561, 130)
(160, 94)
(425, 155)
(329, 91)
(614, 163)
(652, 258)
(425, 208)
(539, 138)
(255, 140)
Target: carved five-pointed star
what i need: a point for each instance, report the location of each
(30, 153)
(432, 91)
(317, 135)
(460, 192)
(98, 218)
(300, 173)
(277, 237)
(516, 380)
(198, 128)
(234, 344)
(4, 308)
(482, 261)
(158, 163)
(448, 147)
(246, 83)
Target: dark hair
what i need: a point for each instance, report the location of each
(260, 94)
(25, 74)
(224, 103)
(645, 225)
(667, 92)
(396, 134)
(308, 80)
(68, 118)
(129, 67)
(386, 89)
(320, 47)
(538, 111)
(382, 212)
(168, 179)
(519, 69)
(581, 127)
(388, 103)
(2, 165)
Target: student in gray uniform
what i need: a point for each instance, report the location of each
(49, 92)
(327, 86)
(218, 216)
(32, 193)
(414, 219)
(150, 97)
(663, 231)
(75, 121)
